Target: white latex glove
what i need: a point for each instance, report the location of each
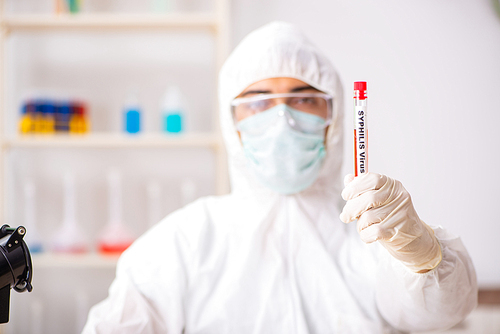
(385, 213)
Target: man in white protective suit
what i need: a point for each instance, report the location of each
(273, 256)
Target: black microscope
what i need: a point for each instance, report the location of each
(16, 270)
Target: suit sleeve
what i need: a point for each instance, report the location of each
(435, 300)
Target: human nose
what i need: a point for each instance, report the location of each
(280, 100)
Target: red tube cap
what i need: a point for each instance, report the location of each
(360, 90)
(360, 85)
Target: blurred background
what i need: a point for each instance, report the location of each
(108, 122)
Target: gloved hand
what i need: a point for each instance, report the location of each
(385, 213)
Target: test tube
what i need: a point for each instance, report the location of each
(188, 191)
(360, 129)
(32, 238)
(70, 238)
(37, 316)
(154, 204)
(82, 309)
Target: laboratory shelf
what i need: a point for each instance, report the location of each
(75, 261)
(114, 21)
(105, 140)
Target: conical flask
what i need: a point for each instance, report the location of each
(115, 236)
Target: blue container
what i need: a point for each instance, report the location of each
(172, 123)
(63, 114)
(132, 121)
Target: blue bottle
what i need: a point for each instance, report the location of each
(172, 111)
(173, 121)
(132, 113)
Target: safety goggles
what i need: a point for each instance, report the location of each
(316, 104)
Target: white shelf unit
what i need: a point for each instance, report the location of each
(87, 260)
(217, 22)
(104, 140)
(113, 21)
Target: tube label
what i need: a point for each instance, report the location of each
(360, 141)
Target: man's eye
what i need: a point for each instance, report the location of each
(304, 100)
(258, 105)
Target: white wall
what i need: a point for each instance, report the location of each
(433, 72)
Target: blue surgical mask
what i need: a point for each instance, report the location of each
(282, 158)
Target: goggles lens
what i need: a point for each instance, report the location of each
(317, 104)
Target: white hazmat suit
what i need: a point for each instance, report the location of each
(259, 262)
